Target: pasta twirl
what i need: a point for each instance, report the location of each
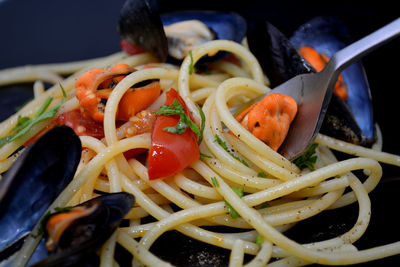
(205, 190)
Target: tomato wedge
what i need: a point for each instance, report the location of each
(170, 152)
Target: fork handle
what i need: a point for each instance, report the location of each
(360, 48)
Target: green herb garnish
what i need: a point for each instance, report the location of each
(234, 214)
(307, 159)
(262, 175)
(24, 124)
(225, 147)
(184, 120)
(191, 66)
(265, 205)
(203, 156)
(214, 181)
(259, 240)
(203, 123)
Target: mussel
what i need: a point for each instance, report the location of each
(280, 60)
(36, 178)
(76, 232)
(327, 35)
(173, 35)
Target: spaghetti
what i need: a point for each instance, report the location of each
(205, 191)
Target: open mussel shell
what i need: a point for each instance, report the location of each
(281, 61)
(86, 234)
(36, 178)
(140, 24)
(327, 35)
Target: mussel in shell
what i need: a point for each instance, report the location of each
(36, 178)
(73, 233)
(327, 35)
(173, 35)
(280, 60)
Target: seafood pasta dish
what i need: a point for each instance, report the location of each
(179, 131)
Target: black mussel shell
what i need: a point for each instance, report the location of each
(327, 35)
(140, 24)
(278, 58)
(340, 123)
(87, 234)
(36, 178)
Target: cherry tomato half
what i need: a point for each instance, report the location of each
(170, 152)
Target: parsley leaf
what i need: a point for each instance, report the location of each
(214, 181)
(225, 147)
(184, 120)
(202, 156)
(203, 123)
(24, 124)
(265, 205)
(307, 159)
(259, 240)
(191, 66)
(234, 214)
(262, 175)
(43, 223)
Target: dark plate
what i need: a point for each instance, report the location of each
(48, 31)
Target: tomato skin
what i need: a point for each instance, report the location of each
(171, 153)
(131, 49)
(133, 153)
(82, 126)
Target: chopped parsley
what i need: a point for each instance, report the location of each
(259, 240)
(203, 156)
(191, 66)
(265, 205)
(234, 214)
(24, 124)
(214, 181)
(225, 147)
(184, 120)
(307, 159)
(262, 175)
(203, 123)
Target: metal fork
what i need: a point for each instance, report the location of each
(312, 92)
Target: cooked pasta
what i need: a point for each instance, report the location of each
(204, 190)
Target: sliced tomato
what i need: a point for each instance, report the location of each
(82, 126)
(170, 153)
(131, 49)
